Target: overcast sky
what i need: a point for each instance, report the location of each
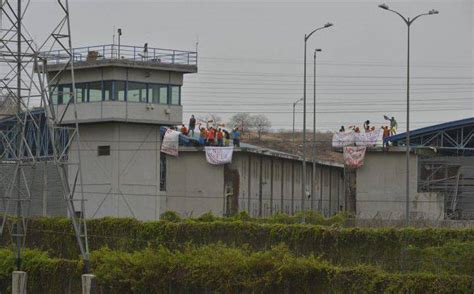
(251, 54)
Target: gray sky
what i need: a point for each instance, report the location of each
(251, 54)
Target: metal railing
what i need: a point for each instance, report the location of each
(124, 52)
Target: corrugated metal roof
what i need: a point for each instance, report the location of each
(433, 129)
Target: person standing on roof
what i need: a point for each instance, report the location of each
(367, 126)
(210, 137)
(192, 125)
(386, 134)
(220, 138)
(184, 130)
(202, 136)
(393, 125)
(226, 138)
(236, 137)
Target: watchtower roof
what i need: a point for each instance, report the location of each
(124, 56)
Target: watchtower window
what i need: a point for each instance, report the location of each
(136, 92)
(119, 90)
(95, 91)
(158, 94)
(109, 90)
(175, 95)
(81, 92)
(103, 150)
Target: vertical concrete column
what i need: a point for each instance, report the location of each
(87, 281)
(19, 282)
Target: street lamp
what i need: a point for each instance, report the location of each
(303, 178)
(313, 174)
(294, 106)
(408, 22)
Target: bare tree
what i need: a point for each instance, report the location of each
(214, 119)
(261, 124)
(241, 120)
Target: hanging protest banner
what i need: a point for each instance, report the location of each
(170, 142)
(219, 155)
(369, 138)
(354, 156)
(343, 139)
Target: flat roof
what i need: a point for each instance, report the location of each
(249, 148)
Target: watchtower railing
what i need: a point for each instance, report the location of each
(124, 52)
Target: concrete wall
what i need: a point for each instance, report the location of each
(47, 196)
(126, 183)
(278, 181)
(194, 186)
(381, 189)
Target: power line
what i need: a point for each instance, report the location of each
(297, 93)
(270, 74)
(328, 112)
(326, 63)
(339, 84)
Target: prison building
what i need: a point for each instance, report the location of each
(123, 96)
(441, 175)
(260, 181)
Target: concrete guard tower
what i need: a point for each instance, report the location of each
(124, 95)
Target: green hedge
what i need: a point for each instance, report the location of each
(45, 274)
(387, 248)
(453, 257)
(220, 269)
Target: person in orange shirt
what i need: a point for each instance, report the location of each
(386, 133)
(210, 137)
(184, 130)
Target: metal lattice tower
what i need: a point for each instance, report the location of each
(33, 138)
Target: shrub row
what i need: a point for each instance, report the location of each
(346, 246)
(220, 269)
(45, 274)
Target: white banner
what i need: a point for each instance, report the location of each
(354, 156)
(170, 142)
(219, 155)
(369, 138)
(342, 139)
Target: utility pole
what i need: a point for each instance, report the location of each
(18, 228)
(303, 177)
(408, 22)
(313, 174)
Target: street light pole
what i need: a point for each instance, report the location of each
(408, 22)
(293, 134)
(313, 174)
(303, 177)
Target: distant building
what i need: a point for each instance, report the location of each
(441, 175)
